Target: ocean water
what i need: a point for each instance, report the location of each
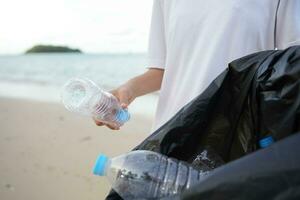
(108, 70)
(41, 76)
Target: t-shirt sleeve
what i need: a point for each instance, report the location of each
(157, 45)
(288, 24)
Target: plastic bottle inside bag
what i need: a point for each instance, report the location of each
(147, 175)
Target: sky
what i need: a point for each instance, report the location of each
(94, 26)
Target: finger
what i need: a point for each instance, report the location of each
(124, 105)
(123, 97)
(124, 100)
(112, 127)
(98, 123)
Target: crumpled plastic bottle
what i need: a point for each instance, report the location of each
(84, 97)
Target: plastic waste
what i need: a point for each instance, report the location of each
(255, 97)
(265, 142)
(271, 173)
(147, 175)
(84, 97)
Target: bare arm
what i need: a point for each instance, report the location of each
(146, 83)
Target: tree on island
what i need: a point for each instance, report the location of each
(52, 49)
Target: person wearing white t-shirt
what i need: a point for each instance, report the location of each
(192, 41)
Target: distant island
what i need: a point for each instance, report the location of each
(51, 49)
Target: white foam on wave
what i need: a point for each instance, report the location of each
(30, 91)
(145, 105)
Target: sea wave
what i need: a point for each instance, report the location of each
(40, 77)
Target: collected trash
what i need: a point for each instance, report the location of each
(83, 96)
(256, 97)
(270, 173)
(141, 175)
(265, 142)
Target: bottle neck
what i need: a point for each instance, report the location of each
(265, 142)
(122, 116)
(101, 165)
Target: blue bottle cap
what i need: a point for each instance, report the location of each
(122, 115)
(265, 142)
(100, 164)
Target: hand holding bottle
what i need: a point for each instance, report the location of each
(83, 96)
(125, 96)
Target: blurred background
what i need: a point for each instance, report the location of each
(45, 151)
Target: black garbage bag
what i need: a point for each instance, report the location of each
(271, 173)
(256, 96)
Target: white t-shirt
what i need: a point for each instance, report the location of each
(194, 40)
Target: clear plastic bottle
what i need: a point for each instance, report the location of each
(147, 175)
(83, 96)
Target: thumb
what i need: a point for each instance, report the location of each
(122, 97)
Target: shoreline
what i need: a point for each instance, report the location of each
(48, 152)
(44, 92)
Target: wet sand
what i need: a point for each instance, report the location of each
(47, 153)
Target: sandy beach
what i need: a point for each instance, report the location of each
(47, 153)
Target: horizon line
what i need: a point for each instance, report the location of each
(82, 53)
